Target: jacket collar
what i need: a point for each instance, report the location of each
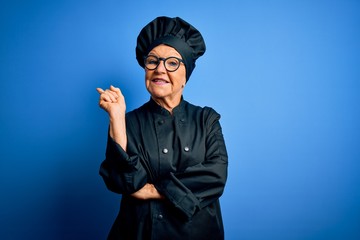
(154, 107)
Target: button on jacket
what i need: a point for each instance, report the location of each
(184, 155)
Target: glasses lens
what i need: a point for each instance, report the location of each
(151, 62)
(172, 64)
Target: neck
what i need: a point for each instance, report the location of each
(168, 104)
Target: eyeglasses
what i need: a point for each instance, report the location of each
(171, 64)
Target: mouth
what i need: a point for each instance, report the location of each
(159, 81)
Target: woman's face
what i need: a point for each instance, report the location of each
(161, 84)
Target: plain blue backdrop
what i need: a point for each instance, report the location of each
(284, 75)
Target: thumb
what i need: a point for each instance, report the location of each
(115, 89)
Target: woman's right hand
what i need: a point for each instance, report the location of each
(112, 101)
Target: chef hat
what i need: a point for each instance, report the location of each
(176, 33)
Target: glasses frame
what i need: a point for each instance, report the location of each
(164, 60)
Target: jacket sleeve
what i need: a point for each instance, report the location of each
(199, 185)
(121, 173)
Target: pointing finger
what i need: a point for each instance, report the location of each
(100, 90)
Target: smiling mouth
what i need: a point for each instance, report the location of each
(159, 81)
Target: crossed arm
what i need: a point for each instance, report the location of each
(113, 102)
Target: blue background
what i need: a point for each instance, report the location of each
(283, 74)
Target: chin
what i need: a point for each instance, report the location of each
(156, 93)
(157, 96)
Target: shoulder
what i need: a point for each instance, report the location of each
(138, 117)
(208, 114)
(138, 111)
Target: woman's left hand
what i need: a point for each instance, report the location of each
(147, 192)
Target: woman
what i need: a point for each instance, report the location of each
(168, 157)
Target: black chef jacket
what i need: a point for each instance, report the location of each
(184, 155)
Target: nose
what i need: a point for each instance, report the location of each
(161, 67)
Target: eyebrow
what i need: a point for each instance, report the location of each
(165, 57)
(157, 55)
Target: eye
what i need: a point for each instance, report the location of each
(172, 62)
(151, 61)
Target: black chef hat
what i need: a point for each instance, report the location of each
(174, 32)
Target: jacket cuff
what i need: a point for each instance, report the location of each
(180, 196)
(115, 151)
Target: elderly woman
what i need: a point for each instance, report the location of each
(168, 157)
